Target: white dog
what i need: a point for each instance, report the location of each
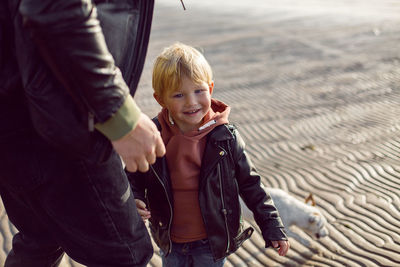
(294, 212)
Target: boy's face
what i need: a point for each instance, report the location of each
(189, 104)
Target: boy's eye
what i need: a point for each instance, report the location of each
(198, 91)
(177, 95)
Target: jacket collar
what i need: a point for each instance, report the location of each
(220, 133)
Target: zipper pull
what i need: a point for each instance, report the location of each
(183, 5)
(91, 122)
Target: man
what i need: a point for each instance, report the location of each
(67, 116)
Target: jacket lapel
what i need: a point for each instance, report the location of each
(214, 151)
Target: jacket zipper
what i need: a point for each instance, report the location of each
(240, 210)
(170, 208)
(224, 211)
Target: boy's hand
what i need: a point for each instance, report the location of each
(282, 246)
(143, 212)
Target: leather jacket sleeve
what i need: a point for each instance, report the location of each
(252, 192)
(70, 39)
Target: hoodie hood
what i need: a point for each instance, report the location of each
(217, 115)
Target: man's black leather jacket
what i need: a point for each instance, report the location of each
(226, 173)
(56, 69)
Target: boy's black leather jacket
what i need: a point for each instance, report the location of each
(58, 63)
(226, 172)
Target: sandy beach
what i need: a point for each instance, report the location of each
(314, 87)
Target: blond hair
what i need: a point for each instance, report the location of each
(176, 61)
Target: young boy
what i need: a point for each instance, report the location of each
(191, 195)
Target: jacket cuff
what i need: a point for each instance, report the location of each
(274, 234)
(122, 122)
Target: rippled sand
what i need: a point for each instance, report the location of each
(314, 88)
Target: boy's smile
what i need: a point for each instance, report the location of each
(189, 104)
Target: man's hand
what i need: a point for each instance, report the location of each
(141, 146)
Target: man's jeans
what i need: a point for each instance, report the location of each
(196, 254)
(62, 204)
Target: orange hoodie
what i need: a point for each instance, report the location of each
(184, 154)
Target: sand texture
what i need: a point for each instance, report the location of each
(314, 87)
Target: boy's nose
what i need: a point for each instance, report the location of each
(190, 100)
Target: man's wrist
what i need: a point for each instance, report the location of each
(122, 122)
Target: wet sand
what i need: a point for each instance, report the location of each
(314, 88)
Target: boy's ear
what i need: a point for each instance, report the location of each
(211, 86)
(158, 99)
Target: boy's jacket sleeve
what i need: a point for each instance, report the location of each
(259, 202)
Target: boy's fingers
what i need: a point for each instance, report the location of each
(141, 208)
(144, 213)
(140, 204)
(283, 247)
